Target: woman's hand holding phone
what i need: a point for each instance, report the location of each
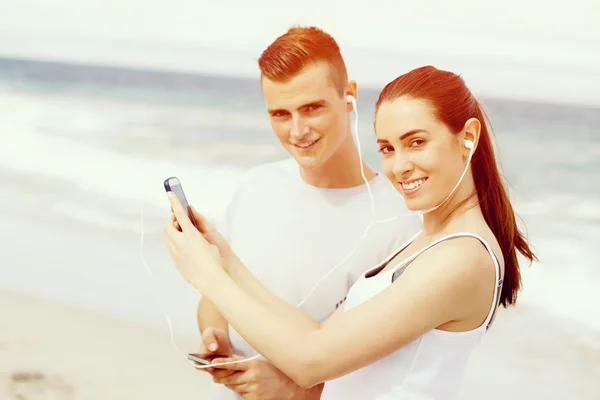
(211, 235)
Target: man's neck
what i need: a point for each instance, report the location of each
(342, 170)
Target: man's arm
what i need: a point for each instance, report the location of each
(313, 393)
(209, 316)
(259, 379)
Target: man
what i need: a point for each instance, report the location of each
(313, 208)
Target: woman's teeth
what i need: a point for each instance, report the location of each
(413, 184)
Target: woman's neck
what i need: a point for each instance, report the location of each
(454, 210)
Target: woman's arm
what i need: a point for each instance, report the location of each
(446, 283)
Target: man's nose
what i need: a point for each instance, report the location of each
(299, 128)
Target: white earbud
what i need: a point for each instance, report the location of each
(350, 99)
(469, 144)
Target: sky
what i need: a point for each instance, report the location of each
(527, 48)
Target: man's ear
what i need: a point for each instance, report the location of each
(351, 90)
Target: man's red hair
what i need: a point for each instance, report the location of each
(298, 48)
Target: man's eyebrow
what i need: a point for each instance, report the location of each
(320, 102)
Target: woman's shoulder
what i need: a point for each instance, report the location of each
(464, 254)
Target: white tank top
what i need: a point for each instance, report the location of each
(430, 367)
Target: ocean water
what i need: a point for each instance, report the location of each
(113, 135)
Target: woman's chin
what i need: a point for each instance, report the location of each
(415, 205)
(416, 201)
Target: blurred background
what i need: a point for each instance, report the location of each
(100, 101)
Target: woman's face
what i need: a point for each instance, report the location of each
(420, 155)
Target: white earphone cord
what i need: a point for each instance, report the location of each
(371, 223)
(150, 274)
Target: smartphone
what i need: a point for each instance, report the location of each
(172, 184)
(204, 360)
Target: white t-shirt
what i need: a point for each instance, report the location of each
(290, 234)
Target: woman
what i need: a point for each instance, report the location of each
(409, 324)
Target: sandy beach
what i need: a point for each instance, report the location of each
(49, 350)
(528, 354)
(52, 351)
(79, 316)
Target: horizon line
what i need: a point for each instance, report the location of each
(248, 77)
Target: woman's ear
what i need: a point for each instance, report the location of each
(471, 132)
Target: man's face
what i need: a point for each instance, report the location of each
(308, 115)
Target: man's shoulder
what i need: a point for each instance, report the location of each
(385, 188)
(263, 180)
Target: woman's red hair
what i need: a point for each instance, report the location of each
(454, 105)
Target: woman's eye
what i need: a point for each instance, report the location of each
(385, 149)
(417, 143)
